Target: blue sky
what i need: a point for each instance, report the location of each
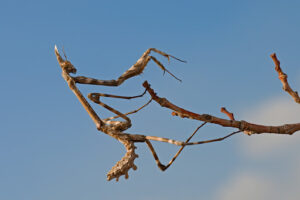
(50, 148)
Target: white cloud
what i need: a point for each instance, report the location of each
(248, 185)
(275, 111)
(274, 177)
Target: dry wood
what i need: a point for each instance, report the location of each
(247, 127)
(283, 78)
(229, 114)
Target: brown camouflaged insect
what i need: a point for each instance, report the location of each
(115, 128)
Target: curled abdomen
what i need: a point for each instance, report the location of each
(125, 164)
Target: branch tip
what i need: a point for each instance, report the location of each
(229, 114)
(283, 78)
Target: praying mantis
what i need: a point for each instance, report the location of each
(115, 128)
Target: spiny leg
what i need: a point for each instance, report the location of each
(164, 167)
(134, 70)
(163, 68)
(165, 55)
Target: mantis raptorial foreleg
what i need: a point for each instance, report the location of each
(134, 70)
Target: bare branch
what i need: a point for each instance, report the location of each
(283, 78)
(241, 125)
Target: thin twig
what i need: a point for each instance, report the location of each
(283, 78)
(229, 114)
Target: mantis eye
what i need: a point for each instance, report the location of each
(67, 65)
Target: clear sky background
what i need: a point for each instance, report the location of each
(50, 148)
